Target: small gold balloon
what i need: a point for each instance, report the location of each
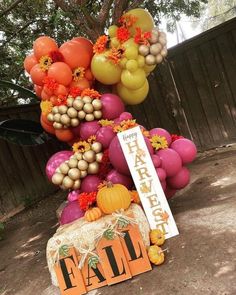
(64, 168)
(57, 178)
(74, 122)
(97, 114)
(78, 104)
(70, 101)
(93, 168)
(162, 41)
(164, 52)
(87, 99)
(74, 173)
(73, 163)
(79, 156)
(62, 109)
(83, 174)
(154, 38)
(89, 117)
(159, 58)
(50, 117)
(77, 184)
(99, 157)
(65, 119)
(81, 115)
(143, 50)
(57, 118)
(67, 182)
(72, 113)
(55, 110)
(82, 165)
(150, 60)
(97, 104)
(57, 125)
(88, 108)
(155, 48)
(97, 147)
(89, 156)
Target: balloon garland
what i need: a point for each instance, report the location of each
(89, 121)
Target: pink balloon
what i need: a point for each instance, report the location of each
(149, 145)
(186, 149)
(112, 106)
(180, 180)
(116, 177)
(105, 135)
(71, 212)
(156, 161)
(55, 161)
(126, 116)
(161, 132)
(90, 184)
(163, 184)
(161, 174)
(88, 128)
(73, 195)
(169, 192)
(170, 161)
(117, 120)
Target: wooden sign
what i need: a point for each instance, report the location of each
(147, 182)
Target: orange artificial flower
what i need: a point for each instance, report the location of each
(91, 93)
(127, 20)
(115, 55)
(100, 44)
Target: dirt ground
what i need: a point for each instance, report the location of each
(201, 260)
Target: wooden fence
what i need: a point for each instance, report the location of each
(194, 92)
(22, 174)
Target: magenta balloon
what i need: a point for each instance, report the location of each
(55, 161)
(117, 120)
(149, 145)
(169, 192)
(71, 212)
(156, 161)
(180, 180)
(170, 161)
(126, 116)
(163, 184)
(186, 149)
(90, 184)
(161, 174)
(105, 135)
(112, 106)
(88, 128)
(73, 195)
(116, 177)
(161, 132)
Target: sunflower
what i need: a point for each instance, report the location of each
(78, 73)
(159, 142)
(45, 62)
(106, 122)
(81, 146)
(46, 106)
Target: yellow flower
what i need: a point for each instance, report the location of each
(92, 139)
(45, 62)
(78, 73)
(106, 122)
(46, 106)
(159, 142)
(81, 146)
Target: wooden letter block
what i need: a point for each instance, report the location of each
(93, 278)
(135, 250)
(113, 261)
(69, 276)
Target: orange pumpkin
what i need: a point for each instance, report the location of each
(64, 134)
(113, 197)
(47, 125)
(93, 214)
(157, 237)
(156, 255)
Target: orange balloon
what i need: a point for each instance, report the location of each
(89, 75)
(53, 99)
(38, 89)
(61, 90)
(61, 72)
(64, 134)
(75, 54)
(37, 75)
(43, 45)
(82, 84)
(44, 95)
(86, 44)
(47, 90)
(47, 125)
(29, 62)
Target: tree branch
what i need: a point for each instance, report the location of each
(12, 6)
(104, 12)
(135, 4)
(118, 9)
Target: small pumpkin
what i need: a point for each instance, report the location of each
(157, 237)
(156, 255)
(93, 214)
(112, 197)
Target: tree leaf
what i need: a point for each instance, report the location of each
(23, 132)
(22, 91)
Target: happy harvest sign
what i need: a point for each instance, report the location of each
(147, 182)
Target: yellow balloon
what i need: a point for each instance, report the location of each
(132, 97)
(133, 80)
(148, 69)
(130, 42)
(112, 31)
(144, 20)
(114, 42)
(104, 70)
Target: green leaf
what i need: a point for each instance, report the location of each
(109, 234)
(93, 261)
(22, 91)
(23, 132)
(64, 251)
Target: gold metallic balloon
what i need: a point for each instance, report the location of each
(74, 173)
(89, 156)
(87, 99)
(89, 117)
(77, 184)
(74, 122)
(81, 115)
(70, 101)
(73, 163)
(67, 182)
(65, 119)
(50, 117)
(62, 109)
(83, 174)
(97, 147)
(57, 178)
(64, 168)
(88, 108)
(159, 58)
(99, 157)
(72, 113)
(97, 104)
(57, 125)
(55, 110)
(97, 114)
(93, 168)
(150, 59)
(78, 104)
(57, 118)
(79, 156)
(82, 165)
